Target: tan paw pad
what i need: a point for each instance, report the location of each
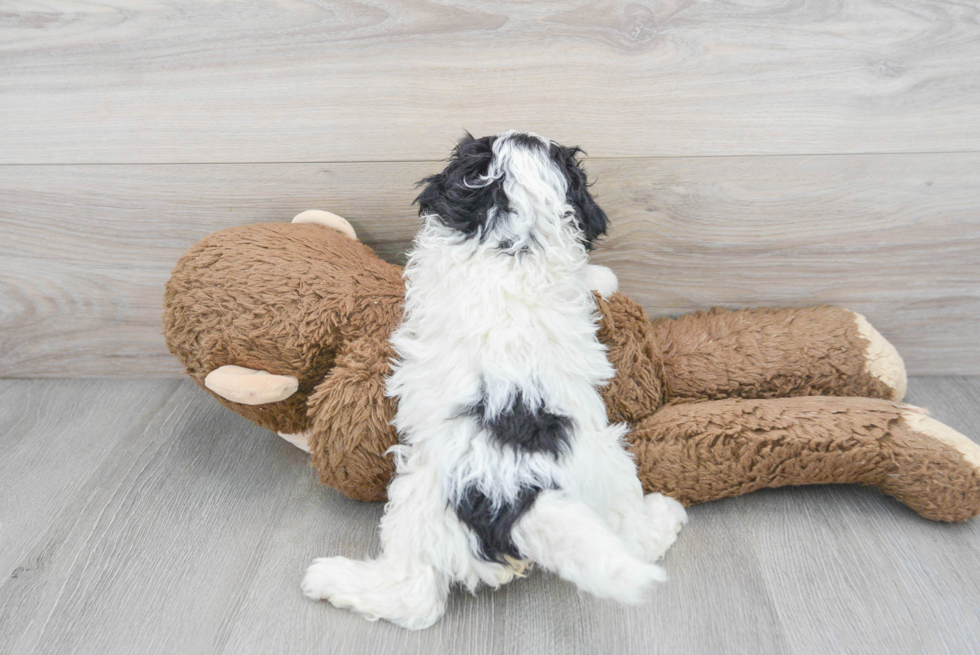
(882, 361)
(250, 387)
(300, 439)
(924, 424)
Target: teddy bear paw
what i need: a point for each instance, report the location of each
(299, 439)
(881, 360)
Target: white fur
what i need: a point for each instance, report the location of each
(602, 280)
(481, 321)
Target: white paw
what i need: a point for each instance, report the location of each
(414, 601)
(601, 280)
(631, 581)
(666, 517)
(666, 509)
(325, 579)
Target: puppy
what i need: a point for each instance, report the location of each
(507, 457)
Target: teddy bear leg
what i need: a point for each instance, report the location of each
(696, 452)
(931, 479)
(881, 359)
(773, 353)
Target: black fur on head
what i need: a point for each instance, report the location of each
(461, 197)
(591, 219)
(458, 196)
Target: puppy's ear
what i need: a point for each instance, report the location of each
(591, 219)
(460, 195)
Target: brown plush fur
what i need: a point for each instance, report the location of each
(742, 445)
(719, 403)
(765, 353)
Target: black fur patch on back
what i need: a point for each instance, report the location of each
(493, 528)
(458, 196)
(529, 430)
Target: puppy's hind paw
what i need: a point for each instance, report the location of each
(325, 578)
(667, 517)
(665, 512)
(631, 581)
(410, 599)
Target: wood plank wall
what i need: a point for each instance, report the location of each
(748, 153)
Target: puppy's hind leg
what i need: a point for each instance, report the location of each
(565, 536)
(409, 594)
(402, 585)
(606, 480)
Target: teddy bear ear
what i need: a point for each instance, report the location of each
(461, 196)
(326, 219)
(591, 219)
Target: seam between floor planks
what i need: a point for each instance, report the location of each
(444, 159)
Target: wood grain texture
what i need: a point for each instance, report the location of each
(52, 442)
(160, 536)
(140, 516)
(877, 577)
(85, 250)
(539, 615)
(347, 80)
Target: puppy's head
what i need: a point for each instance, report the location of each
(513, 189)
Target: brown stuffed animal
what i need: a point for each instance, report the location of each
(288, 325)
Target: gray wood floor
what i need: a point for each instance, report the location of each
(138, 516)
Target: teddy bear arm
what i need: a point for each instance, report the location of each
(772, 353)
(702, 451)
(350, 421)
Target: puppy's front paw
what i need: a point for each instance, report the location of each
(601, 280)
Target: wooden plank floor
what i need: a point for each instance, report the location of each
(138, 516)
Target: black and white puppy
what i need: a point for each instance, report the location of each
(507, 456)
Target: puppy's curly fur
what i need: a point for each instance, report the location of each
(507, 456)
